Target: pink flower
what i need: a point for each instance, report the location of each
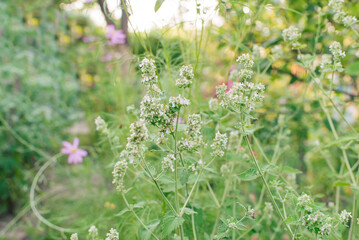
(115, 36)
(75, 154)
(180, 120)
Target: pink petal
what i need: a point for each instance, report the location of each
(67, 144)
(71, 158)
(66, 150)
(76, 143)
(81, 152)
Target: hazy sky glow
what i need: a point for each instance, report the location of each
(144, 18)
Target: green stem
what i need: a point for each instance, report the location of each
(266, 185)
(138, 218)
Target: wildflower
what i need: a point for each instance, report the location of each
(268, 209)
(115, 36)
(318, 223)
(233, 140)
(75, 154)
(175, 103)
(326, 64)
(119, 172)
(112, 235)
(138, 132)
(221, 90)
(336, 5)
(167, 162)
(93, 232)
(345, 216)
(245, 60)
(154, 112)
(251, 212)
(186, 72)
(305, 201)
(225, 169)
(101, 125)
(349, 21)
(148, 69)
(193, 138)
(74, 236)
(277, 51)
(292, 35)
(336, 49)
(213, 104)
(219, 144)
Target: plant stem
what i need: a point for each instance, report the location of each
(138, 218)
(266, 185)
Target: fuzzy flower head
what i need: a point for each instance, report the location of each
(336, 49)
(348, 21)
(213, 104)
(245, 60)
(75, 154)
(305, 202)
(292, 35)
(277, 51)
(112, 235)
(148, 69)
(241, 97)
(101, 125)
(336, 5)
(74, 236)
(93, 232)
(138, 131)
(175, 103)
(154, 111)
(219, 145)
(327, 63)
(187, 72)
(194, 125)
(167, 162)
(119, 172)
(345, 216)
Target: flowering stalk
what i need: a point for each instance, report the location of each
(266, 184)
(138, 218)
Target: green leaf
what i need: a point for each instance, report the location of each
(339, 183)
(151, 227)
(170, 223)
(287, 169)
(183, 176)
(269, 168)
(248, 175)
(189, 211)
(125, 210)
(158, 4)
(353, 68)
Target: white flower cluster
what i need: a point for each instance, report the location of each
(338, 54)
(340, 15)
(167, 162)
(193, 139)
(268, 209)
(119, 172)
(277, 51)
(213, 104)
(258, 51)
(246, 63)
(175, 103)
(292, 35)
(318, 222)
(101, 125)
(225, 169)
(155, 112)
(345, 216)
(138, 132)
(186, 74)
(93, 232)
(219, 144)
(241, 96)
(326, 63)
(148, 69)
(305, 201)
(194, 167)
(112, 235)
(74, 236)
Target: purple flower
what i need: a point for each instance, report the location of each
(75, 154)
(180, 120)
(115, 36)
(88, 1)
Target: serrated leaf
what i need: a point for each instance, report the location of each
(151, 227)
(189, 211)
(248, 175)
(269, 168)
(170, 223)
(158, 4)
